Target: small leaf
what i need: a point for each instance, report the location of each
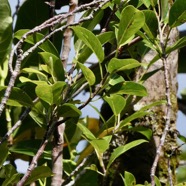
(115, 79)
(116, 65)
(54, 65)
(122, 149)
(86, 52)
(39, 173)
(24, 80)
(130, 88)
(116, 102)
(177, 15)
(68, 110)
(89, 75)
(86, 132)
(129, 25)
(35, 71)
(90, 40)
(17, 97)
(129, 179)
(101, 145)
(7, 171)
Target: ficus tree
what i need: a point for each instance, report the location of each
(135, 45)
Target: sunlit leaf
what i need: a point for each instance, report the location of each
(89, 75)
(116, 65)
(116, 102)
(129, 179)
(54, 65)
(90, 40)
(129, 25)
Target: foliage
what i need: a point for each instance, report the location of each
(38, 93)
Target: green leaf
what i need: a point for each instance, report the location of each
(17, 97)
(39, 173)
(101, 145)
(180, 43)
(151, 24)
(122, 149)
(24, 80)
(103, 38)
(68, 110)
(132, 117)
(5, 29)
(177, 15)
(4, 153)
(47, 46)
(129, 179)
(35, 71)
(164, 10)
(89, 75)
(30, 148)
(116, 65)
(7, 171)
(115, 79)
(129, 25)
(130, 88)
(54, 64)
(87, 133)
(51, 94)
(90, 40)
(12, 180)
(116, 102)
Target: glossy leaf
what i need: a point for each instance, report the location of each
(115, 79)
(116, 102)
(122, 149)
(54, 65)
(129, 25)
(5, 29)
(89, 75)
(24, 80)
(130, 88)
(177, 15)
(51, 94)
(151, 24)
(32, 39)
(90, 40)
(68, 110)
(17, 97)
(116, 65)
(39, 173)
